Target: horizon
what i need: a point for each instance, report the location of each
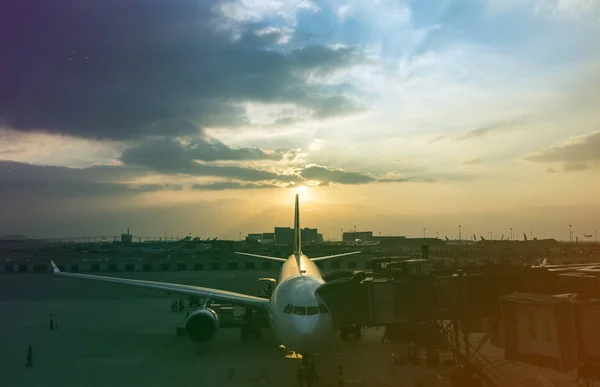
(394, 116)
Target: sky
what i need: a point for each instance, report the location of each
(206, 117)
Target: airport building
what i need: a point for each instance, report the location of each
(262, 237)
(285, 235)
(351, 236)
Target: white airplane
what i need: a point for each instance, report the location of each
(298, 316)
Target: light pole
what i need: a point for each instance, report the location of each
(511, 235)
(570, 234)
(595, 237)
(490, 235)
(437, 235)
(531, 235)
(342, 234)
(423, 232)
(459, 235)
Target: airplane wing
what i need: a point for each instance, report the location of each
(214, 294)
(263, 257)
(334, 256)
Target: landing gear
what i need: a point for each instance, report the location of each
(307, 372)
(355, 331)
(249, 326)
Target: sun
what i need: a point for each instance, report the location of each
(304, 193)
(302, 190)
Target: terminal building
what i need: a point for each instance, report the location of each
(265, 237)
(285, 235)
(351, 236)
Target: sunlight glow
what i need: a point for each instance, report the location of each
(303, 192)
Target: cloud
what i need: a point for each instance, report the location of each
(473, 161)
(553, 9)
(574, 166)
(280, 35)
(203, 149)
(90, 70)
(232, 185)
(54, 149)
(343, 11)
(325, 176)
(21, 181)
(494, 127)
(245, 11)
(576, 154)
(15, 172)
(171, 156)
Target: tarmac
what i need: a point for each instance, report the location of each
(114, 335)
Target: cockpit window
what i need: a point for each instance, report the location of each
(305, 310)
(300, 310)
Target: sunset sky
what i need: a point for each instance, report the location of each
(205, 117)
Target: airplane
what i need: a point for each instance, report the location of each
(298, 317)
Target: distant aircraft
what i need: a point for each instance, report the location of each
(298, 316)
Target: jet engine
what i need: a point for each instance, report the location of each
(202, 325)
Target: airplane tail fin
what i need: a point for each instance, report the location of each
(297, 233)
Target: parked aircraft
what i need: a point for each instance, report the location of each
(298, 316)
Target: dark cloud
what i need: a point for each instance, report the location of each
(574, 154)
(330, 106)
(169, 156)
(166, 149)
(220, 186)
(126, 69)
(325, 176)
(494, 127)
(20, 181)
(12, 172)
(324, 60)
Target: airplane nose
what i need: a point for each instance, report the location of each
(305, 326)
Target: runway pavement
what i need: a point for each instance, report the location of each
(112, 335)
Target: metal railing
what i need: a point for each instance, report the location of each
(484, 368)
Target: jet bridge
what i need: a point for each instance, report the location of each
(400, 294)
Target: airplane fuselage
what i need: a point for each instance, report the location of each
(297, 315)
